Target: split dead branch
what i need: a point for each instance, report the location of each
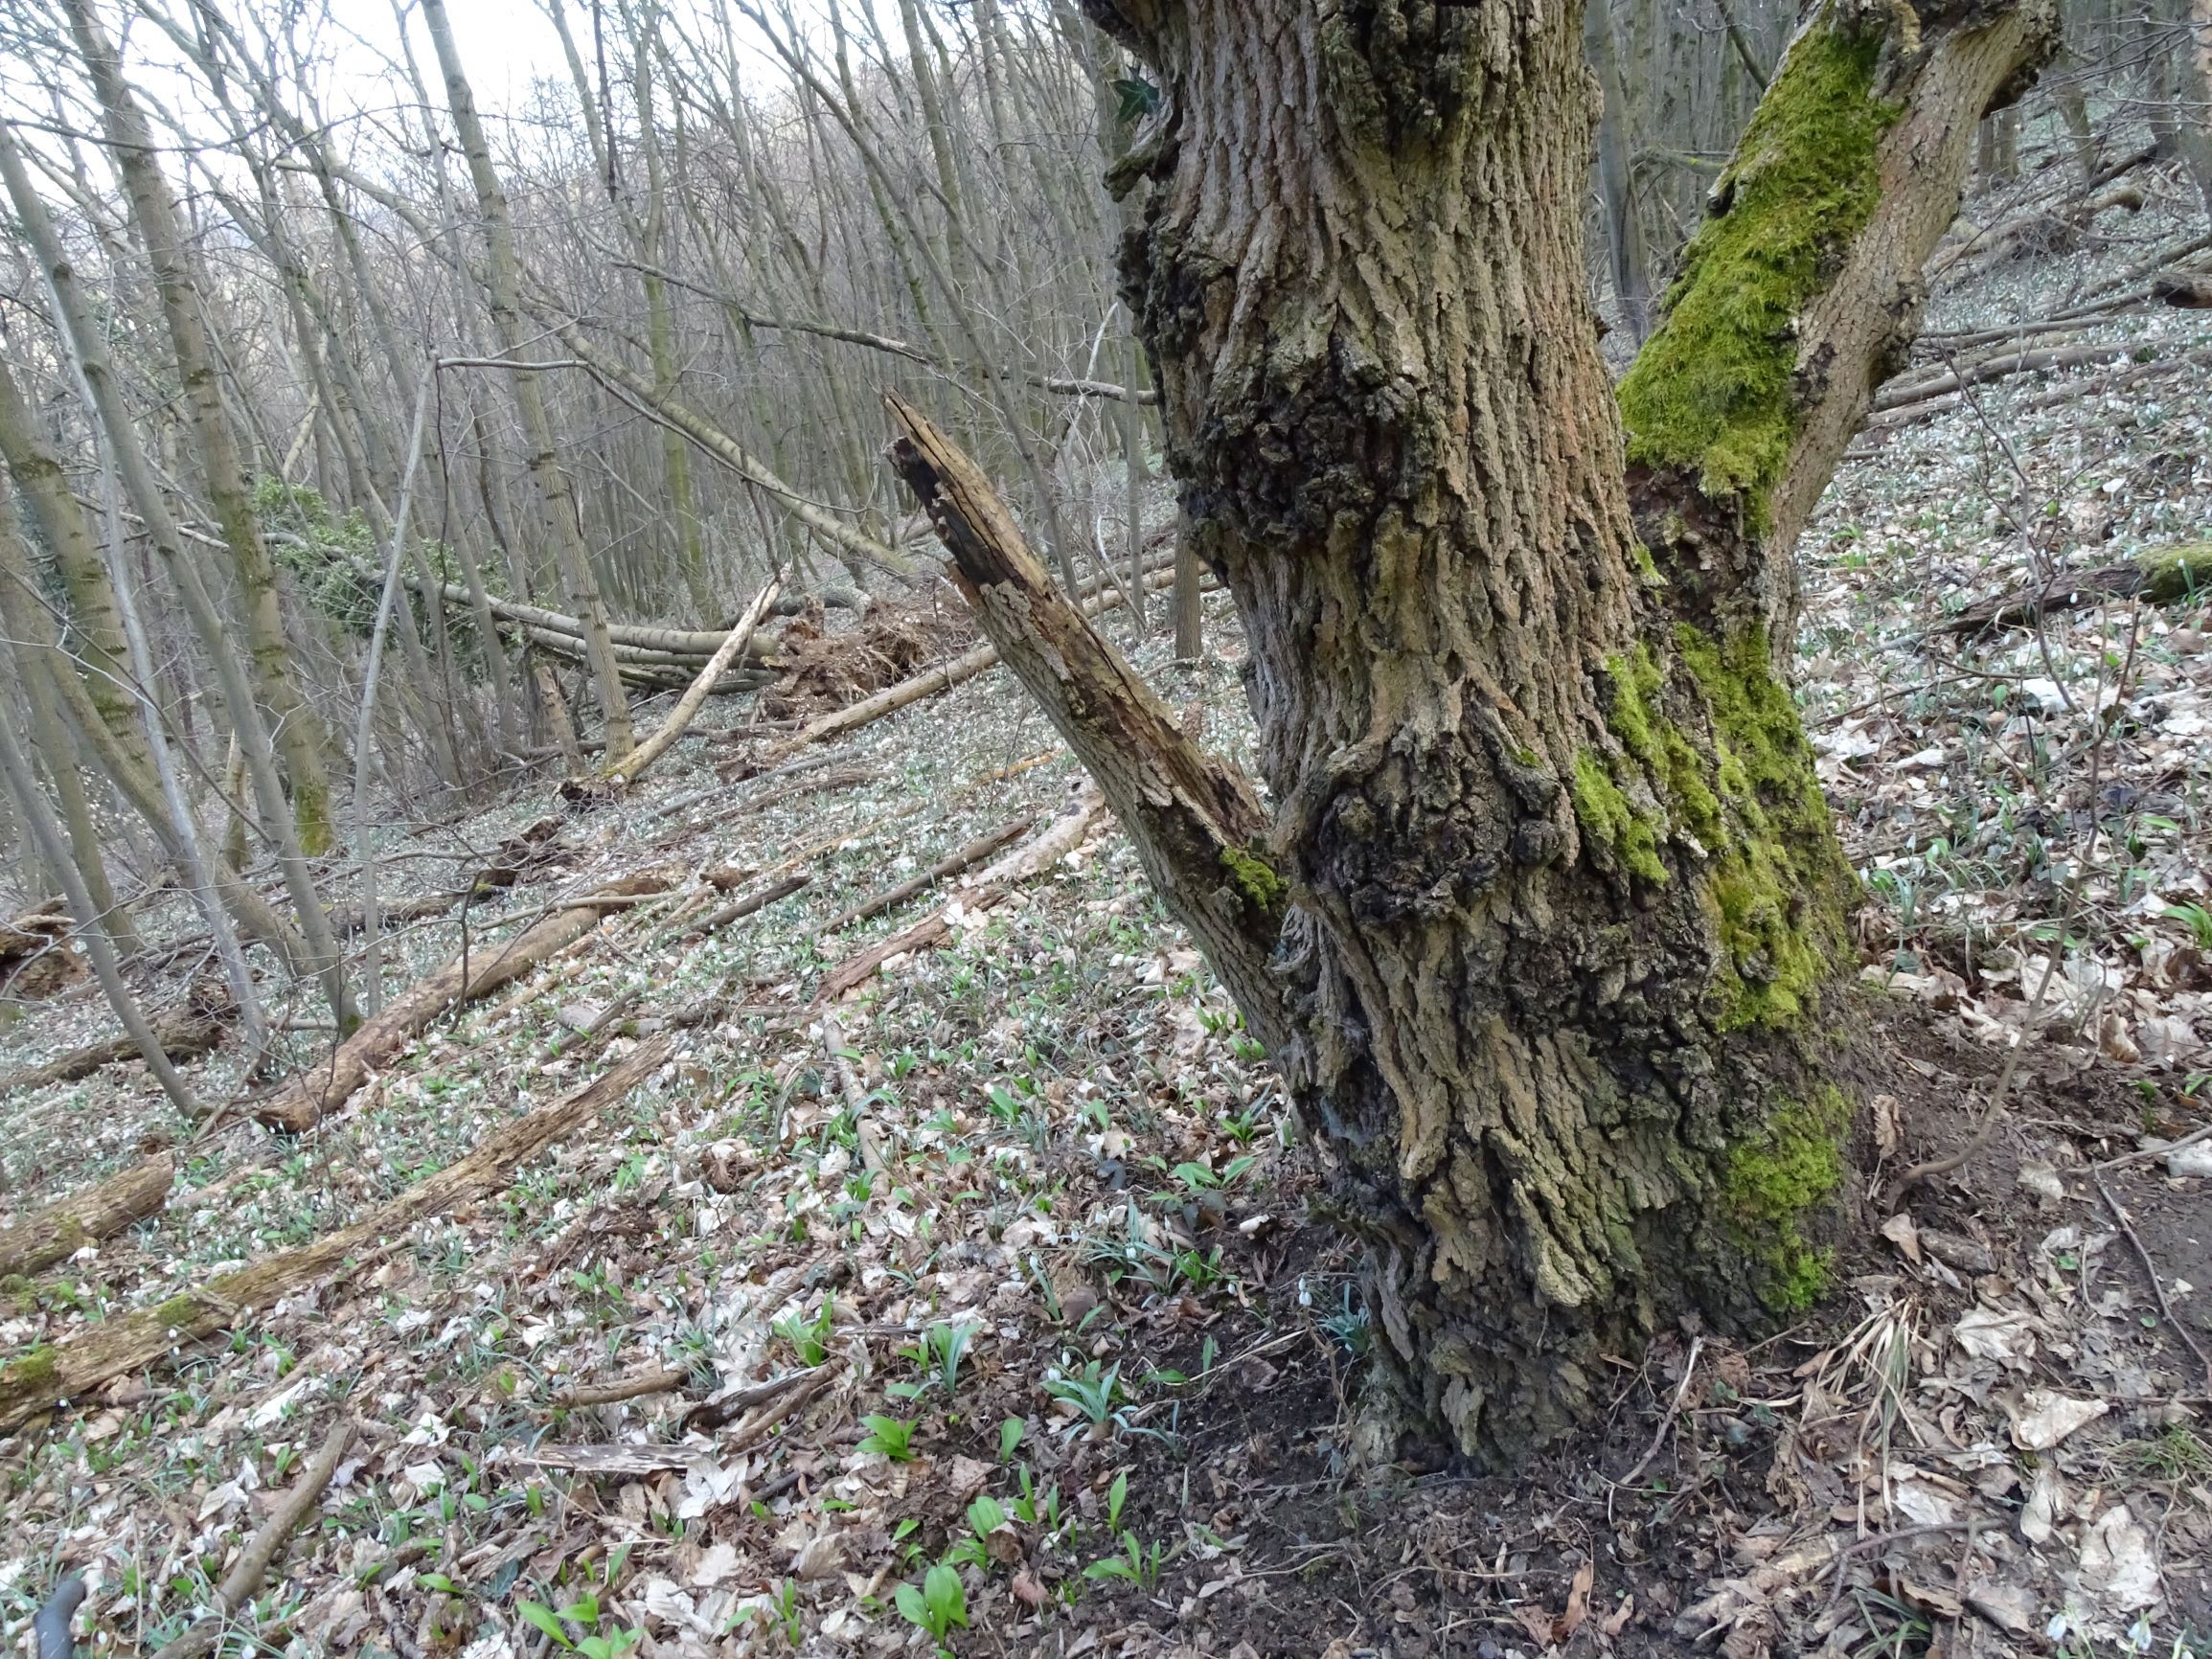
(1195, 822)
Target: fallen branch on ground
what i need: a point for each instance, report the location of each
(244, 1582)
(991, 886)
(63, 1227)
(66, 1370)
(658, 1381)
(864, 1128)
(184, 1033)
(740, 908)
(315, 1095)
(2160, 575)
(1892, 399)
(695, 698)
(974, 853)
(841, 722)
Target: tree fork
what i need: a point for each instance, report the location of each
(1562, 887)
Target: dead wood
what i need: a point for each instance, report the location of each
(244, 1582)
(1195, 821)
(658, 1381)
(63, 1227)
(36, 956)
(184, 1033)
(315, 1095)
(633, 1462)
(759, 899)
(732, 1403)
(973, 854)
(842, 722)
(695, 698)
(2187, 290)
(2026, 362)
(988, 888)
(864, 1128)
(2160, 575)
(67, 1370)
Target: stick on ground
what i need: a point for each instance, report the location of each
(244, 1582)
(973, 854)
(63, 1371)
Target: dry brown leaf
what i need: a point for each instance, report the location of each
(1888, 1123)
(1617, 1621)
(1578, 1601)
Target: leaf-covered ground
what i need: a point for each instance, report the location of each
(1067, 1370)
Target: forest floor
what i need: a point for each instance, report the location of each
(1053, 1313)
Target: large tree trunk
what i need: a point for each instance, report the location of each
(1539, 927)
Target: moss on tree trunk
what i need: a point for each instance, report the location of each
(1558, 894)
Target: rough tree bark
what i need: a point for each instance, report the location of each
(1539, 928)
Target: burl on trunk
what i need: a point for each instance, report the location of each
(1538, 924)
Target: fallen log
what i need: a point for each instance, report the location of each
(634, 766)
(184, 1033)
(36, 955)
(65, 1226)
(313, 1096)
(51, 1375)
(2188, 291)
(988, 888)
(2027, 361)
(973, 854)
(2160, 575)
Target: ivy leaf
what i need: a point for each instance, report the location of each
(1139, 96)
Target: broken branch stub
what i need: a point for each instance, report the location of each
(1195, 822)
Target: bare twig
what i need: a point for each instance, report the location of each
(243, 1580)
(1667, 1423)
(2151, 1270)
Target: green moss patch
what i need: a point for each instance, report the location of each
(1779, 887)
(1711, 390)
(1260, 882)
(1611, 819)
(2173, 574)
(1773, 1182)
(36, 1369)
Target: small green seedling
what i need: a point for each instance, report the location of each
(937, 1606)
(890, 1436)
